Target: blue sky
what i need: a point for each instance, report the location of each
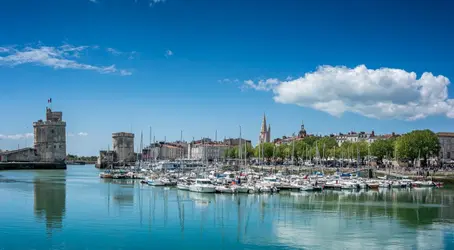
(202, 65)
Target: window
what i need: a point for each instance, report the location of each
(52, 131)
(448, 155)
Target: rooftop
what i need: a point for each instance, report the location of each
(445, 134)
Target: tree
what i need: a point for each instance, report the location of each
(422, 143)
(264, 150)
(382, 148)
(281, 151)
(310, 140)
(231, 153)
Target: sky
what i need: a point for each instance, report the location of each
(203, 66)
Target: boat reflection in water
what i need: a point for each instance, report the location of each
(122, 214)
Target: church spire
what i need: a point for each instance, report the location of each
(263, 123)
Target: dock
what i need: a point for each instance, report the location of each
(31, 165)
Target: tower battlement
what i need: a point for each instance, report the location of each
(50, 137)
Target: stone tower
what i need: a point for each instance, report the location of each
(50, 137)
(265, 133)
(123, 145)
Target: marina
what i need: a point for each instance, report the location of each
(210, 178)
(58, 208)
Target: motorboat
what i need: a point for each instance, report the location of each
(240, 189)
(183, 186)
(202, 186)
(423, 184)
(106, 175)
(349, 185)
(156, 182)
(224, 189)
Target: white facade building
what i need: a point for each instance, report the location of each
(212, 151)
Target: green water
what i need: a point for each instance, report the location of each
(74, 209)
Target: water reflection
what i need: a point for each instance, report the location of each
(122, 214)
(50, 199)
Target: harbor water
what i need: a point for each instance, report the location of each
(75, 209)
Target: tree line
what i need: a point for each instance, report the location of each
(71, 157)
(421, 144)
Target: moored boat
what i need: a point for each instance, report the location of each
(202, 186)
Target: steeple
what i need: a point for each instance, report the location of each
(268, 134)
(263, 124)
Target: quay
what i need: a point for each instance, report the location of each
(31, 165)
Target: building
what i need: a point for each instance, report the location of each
(354, 137)
(207, 151)
(286, 140)
(265, 133)
(20, 155)
(123, 146)
(165, 151)
(446, 140)
(235, 142)
(50, 137)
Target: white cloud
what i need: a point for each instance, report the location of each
(63, 57)
(93, 1)
(153, 2)
(381, 93)
(262, 85)
(169, 53)
(78, 134)
(116, 52)
(227, 80)
(4, 49)
(125, 72)
(113, 51)
(16, 136)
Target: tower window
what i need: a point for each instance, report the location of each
(52, 131)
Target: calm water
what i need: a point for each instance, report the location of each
(74, 209)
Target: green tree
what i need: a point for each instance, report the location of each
(422, 143)
(281, 150)
(266, 149)
(310, 140)
(382, 148)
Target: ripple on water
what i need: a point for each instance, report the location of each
(74, 209)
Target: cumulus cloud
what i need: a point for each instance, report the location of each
(377, 93)
(63, 57)
(16, 136)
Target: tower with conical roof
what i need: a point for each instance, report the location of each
(265, 133)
